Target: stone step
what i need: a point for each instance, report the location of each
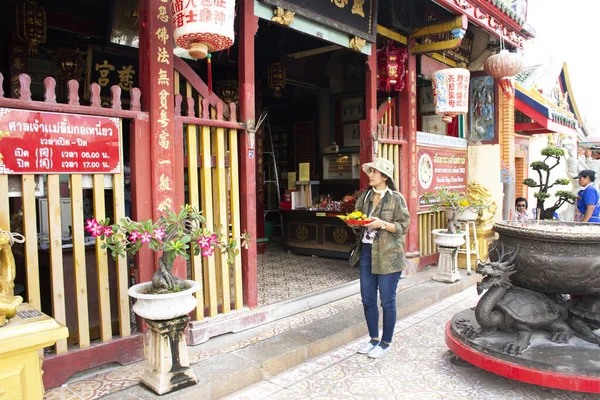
(227, 373)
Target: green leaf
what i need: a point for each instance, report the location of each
(562, 181)
(552, 152)
(186, 239)
(565, 194)
(540, 166)
(530, 182)
(541, 195)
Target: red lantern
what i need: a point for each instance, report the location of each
(31, 25)
(503, 66)
(391, 68)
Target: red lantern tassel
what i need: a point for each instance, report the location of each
(209, 67)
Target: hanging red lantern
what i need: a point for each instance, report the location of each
(451, 92)
(391, 68)
(31, 25)
(203, 27)
(503, 66)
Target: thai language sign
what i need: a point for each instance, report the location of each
(33, 142)
(439, 168)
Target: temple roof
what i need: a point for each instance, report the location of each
(511, 8)
(547, 88)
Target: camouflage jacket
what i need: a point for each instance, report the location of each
(388, 248)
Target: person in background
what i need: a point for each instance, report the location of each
(380, 252)
(127, 188)
(521, 206)
(588, 202)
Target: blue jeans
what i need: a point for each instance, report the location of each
(387, 284)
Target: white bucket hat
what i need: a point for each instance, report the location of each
(382, 165)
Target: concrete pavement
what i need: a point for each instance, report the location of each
(248, 357)
(420, 366)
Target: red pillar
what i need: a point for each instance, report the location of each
(140, 191)
(370, 124)
(156, 83)
(408, 121)
(248, 28)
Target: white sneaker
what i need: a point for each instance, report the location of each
(366, 348)
(379, 351)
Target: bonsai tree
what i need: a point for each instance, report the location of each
(172, 234)
(543, 169)
(457, 202)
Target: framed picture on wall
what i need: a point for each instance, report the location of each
(351, 135)
(433, 124)
(482, 110)
(352, 109)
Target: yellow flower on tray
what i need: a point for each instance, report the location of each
(353, 216)
(356, 214)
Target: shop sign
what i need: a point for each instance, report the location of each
(439, 168)
(354, 17)
(460, 54)
(108, 70)
(34, 142)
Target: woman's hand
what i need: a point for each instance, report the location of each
(376, 224)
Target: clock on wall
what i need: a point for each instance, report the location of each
(425, 171)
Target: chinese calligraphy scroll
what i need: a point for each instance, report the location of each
(156, 69)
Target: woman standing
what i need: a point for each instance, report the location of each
(588, 201)
(380, 252)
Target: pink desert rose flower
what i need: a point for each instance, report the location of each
(90, 224)
(207, 252)
(97, 230)
(213, 239)
(146, 237)
(134, 236)
(108, 231)
(204, 242)
(159, 234)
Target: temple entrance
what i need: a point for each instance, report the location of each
(308, 166)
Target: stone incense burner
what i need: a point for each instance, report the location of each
(554, 256)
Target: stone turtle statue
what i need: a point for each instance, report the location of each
(510, 309)
(584, 317)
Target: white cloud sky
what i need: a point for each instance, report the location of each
(567, 31)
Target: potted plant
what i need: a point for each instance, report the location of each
(165, 302)
(544, 168)
(457, 205)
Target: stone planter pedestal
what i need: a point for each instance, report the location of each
(448, 245)
(167, 364)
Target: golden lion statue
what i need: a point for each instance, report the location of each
(8, 302)
(478, 192)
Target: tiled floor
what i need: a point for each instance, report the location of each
(284, 276)
(419, 367)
